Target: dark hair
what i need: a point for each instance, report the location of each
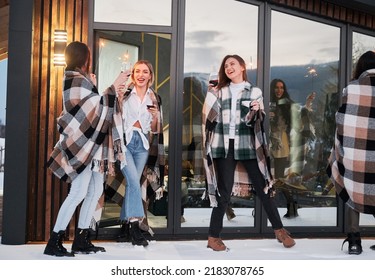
(281, 109)
(77, 55)
(223, 79)
(272, 88)
(365, 62)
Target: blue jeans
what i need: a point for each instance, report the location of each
(136, 158)
(87, 186)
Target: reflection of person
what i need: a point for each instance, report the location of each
(79, 155)
(233, 134)
(289, 131)
(352, 158)
(141, 120)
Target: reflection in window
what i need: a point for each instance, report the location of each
(303, 102)
(207, 41)
(361, 44)
(134, 12)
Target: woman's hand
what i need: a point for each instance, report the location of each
(121, 92)
(93, 79)
(309, 101)
(121, 79)
(152, 110)
(255, 105)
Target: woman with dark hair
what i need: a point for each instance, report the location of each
(83, 150)
(280, 123)
(233, 138)
(290, 129)
(352, 160)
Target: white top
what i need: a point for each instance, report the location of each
(235, 89)
(136, 110)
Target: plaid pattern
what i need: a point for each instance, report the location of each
(352, 160)
(251, 137)
(153, 173)
(85, 129)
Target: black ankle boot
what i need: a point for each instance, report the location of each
(124, 235)
(54, 246)
(355, 247)
(136, 235)
(82, 243)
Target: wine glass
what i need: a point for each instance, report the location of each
(126, 66)
(213, 79)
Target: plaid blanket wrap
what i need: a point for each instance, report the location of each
(352, 159)
(211, 116)
(88, 128)
(153, 174)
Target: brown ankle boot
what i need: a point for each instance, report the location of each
(283, 236)
(216, 244)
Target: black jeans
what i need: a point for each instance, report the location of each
(225, 168)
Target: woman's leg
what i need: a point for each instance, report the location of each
(352, 220)
(224, 168)
(259, 183)
(95, 190)
(256, 177)
(78, 191)
(136, 158)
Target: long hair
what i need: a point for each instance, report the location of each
(150, 68)
(282, 105)
(223, 79)
(365, 62)
(77, 55)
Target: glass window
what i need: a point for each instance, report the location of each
(134, 12)
(303, 101)
(209, 37)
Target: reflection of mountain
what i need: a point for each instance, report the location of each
(299, 86)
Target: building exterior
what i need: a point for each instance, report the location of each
(312, 45)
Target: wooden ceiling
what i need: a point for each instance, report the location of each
(4, 25)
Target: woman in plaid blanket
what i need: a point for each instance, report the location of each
(84, 148)
(290, 131)
(233, 138)
(141, 122)
(352, 160)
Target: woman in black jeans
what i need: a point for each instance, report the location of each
(234, 138)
